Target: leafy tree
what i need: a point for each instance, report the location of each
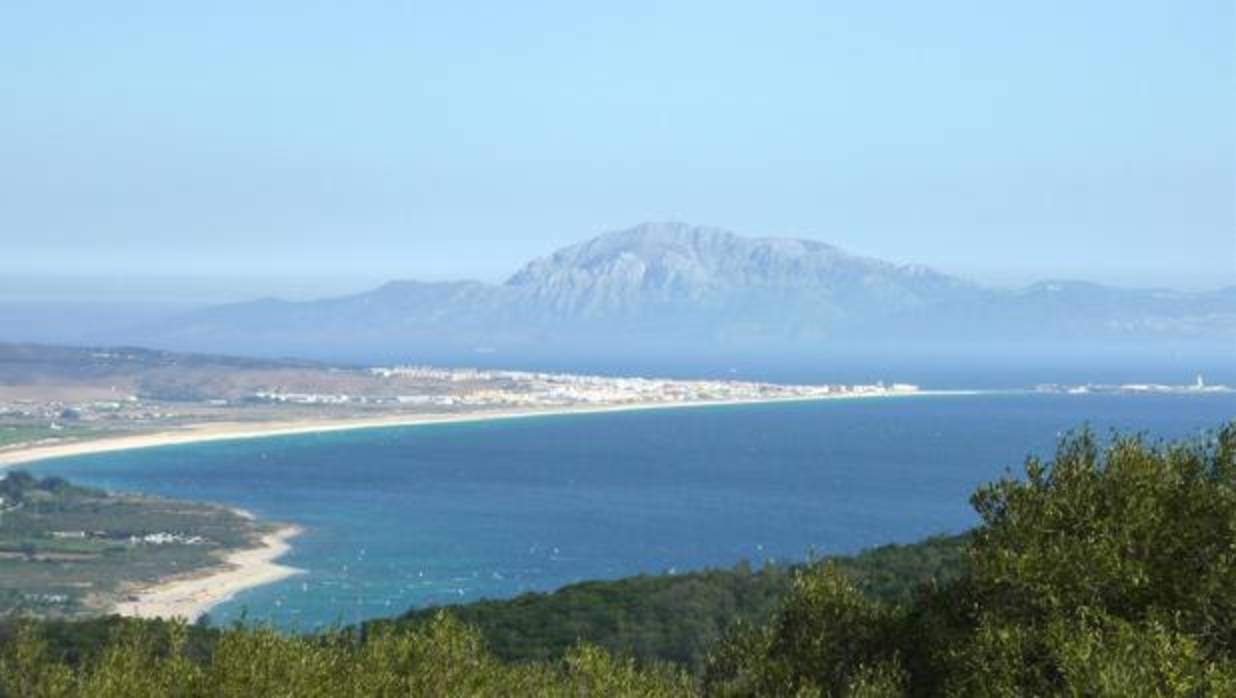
(1107, 550)
(1107, 572)
(828, 639)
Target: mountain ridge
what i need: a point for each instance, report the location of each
(675, 287)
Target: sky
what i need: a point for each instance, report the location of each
(228, 149)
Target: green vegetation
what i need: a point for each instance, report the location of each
(67, 550)
(1108, 572)
(443, 658)
(11, 435)
(680, 618)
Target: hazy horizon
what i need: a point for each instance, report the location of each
(213, 286)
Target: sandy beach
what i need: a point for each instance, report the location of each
(220, 431)
(191, 596)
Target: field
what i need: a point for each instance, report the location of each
(14, 434)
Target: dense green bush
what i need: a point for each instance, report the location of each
(1108, 572)
(443, 658)
(827, 637)
(681, 618)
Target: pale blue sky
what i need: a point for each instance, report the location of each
(328, 146)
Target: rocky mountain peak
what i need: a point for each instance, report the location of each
(655, 252)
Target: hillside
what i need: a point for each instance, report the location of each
(681, 618)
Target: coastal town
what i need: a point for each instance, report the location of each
(489, 388)
(414, 389)
(1198, 387)
(79, 395)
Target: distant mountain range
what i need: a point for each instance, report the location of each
(673, 288)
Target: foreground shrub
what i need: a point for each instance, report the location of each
(827, 639)
(1107, 572)
(442, 659)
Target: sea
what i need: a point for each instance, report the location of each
(409, 517)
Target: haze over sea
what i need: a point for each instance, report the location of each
(413, 516)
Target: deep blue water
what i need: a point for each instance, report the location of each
(404, 517)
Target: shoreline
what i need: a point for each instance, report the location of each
(192, 596)
(228, 431)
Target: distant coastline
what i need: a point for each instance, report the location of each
(228, 431)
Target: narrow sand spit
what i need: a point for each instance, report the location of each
(220, 431)
(190, 597)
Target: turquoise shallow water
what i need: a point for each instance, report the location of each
(403, 517)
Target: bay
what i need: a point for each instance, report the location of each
(407, 517)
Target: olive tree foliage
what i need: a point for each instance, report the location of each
(1110, 571)
(443, 659)
(1140, 532)
(827, 639)
(1107, 572)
